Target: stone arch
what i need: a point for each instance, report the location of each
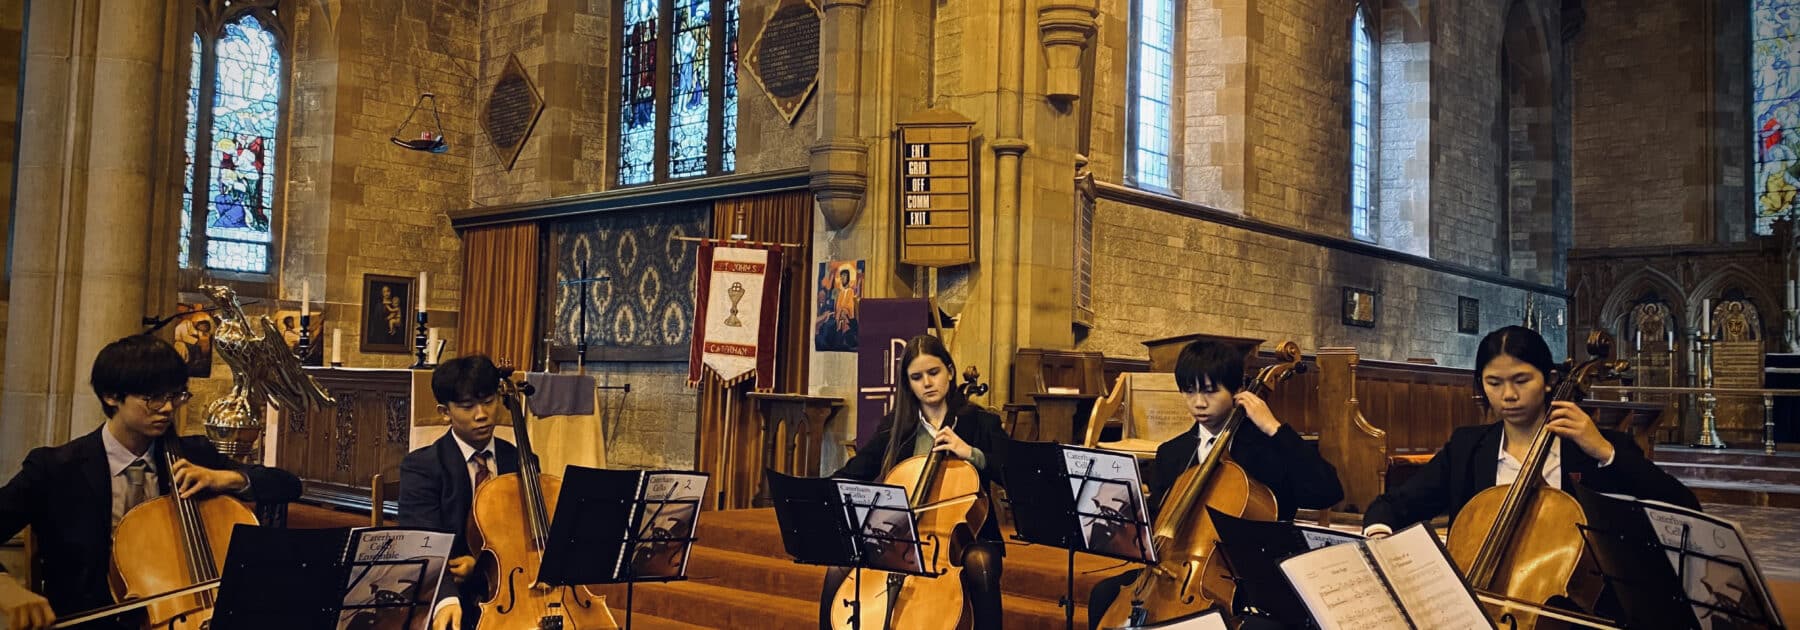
(1528, 140)
(1626, 293)
(1735, 278)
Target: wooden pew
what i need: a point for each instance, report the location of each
(1374, 414)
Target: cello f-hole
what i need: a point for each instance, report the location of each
(1187, 582)
(512, 591)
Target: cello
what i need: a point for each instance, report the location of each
(511, 514)
(950, 506)
(175, 543)
(1523, 540)
(1188, 577)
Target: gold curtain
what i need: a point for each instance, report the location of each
(729, 439)
(499, 298)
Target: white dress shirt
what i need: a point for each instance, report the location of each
(468, 455)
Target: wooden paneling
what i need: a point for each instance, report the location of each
(337, 451)
(1369, 412)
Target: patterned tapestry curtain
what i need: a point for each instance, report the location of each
(499, 299)
(728, 436)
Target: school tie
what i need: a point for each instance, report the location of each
(135, 490)
(480, 460)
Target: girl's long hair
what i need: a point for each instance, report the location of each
(1517, 342)
(903, 423)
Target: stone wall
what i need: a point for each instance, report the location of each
(1641, 95)
(652, 427)
(1466, 167)
(1298, 124)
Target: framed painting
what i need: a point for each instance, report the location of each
(387, 308)
(1359, 307)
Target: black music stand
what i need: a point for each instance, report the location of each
(1635, 564)
(820, 526)
(1043, 492)
(594, 537)
(1255, 550)
(294, 579)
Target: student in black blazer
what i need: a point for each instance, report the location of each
(72, 495)
(928, 403)
(1513, 368)
(437, 482)
(1211, 376)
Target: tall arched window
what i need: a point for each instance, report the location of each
(1775, 87)
(228, 217)
(677, 89)
(1151, 110)
(1362, 126)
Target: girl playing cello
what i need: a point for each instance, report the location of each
(931, 415)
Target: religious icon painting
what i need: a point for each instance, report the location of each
(287, 321)
(387, 310)
(835, 329)
(1359, 307)
(193, 338)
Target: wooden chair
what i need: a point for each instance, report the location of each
(380, 492)
(1148, 409)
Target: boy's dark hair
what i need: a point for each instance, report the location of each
(1519, 343)
(465, 378)
(1209, 360)
(139, 364)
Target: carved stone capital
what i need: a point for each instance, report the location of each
(828, 5)
(1065, 27)
(1013, 147)
(840, 169)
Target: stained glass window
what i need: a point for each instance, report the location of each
(637, 89)
(1362, 120)
(231, 144)
(1153, 92)
(1775, 79)
(678, 89)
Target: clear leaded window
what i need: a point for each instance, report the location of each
(1362, 124)
(1152, 94)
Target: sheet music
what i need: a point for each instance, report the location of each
(1209, 620)
(376, 579)
(1342, 590)
(665, 519)
(1717, 583)
(1428, 586)
(1106, 484)
(888, 527)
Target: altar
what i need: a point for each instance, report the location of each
(382, 414)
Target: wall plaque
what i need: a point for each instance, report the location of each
(511, 111)
(1468, 315)
(937, 184)
(784, 60)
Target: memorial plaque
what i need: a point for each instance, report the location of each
(511, 111)
(1468, 315)
(936, 182)
(784, 60)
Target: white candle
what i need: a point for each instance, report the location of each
(337, 345)
(1793, 297)
(424, 291)
(431, 344)
(305, 298)
(1637, 340)
(1671, 335)
(1706, 316)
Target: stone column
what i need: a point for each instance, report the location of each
(38, 379)
(121, 156)
(839, 158)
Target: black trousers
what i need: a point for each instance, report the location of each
(980, 581)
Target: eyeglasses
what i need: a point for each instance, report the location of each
(176, 398)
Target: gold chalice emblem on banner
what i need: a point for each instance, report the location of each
(736, 293)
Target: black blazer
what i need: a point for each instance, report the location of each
(435, 493)
(974, 424)
(1467, 463)
(1285, 462)
(65, 494)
